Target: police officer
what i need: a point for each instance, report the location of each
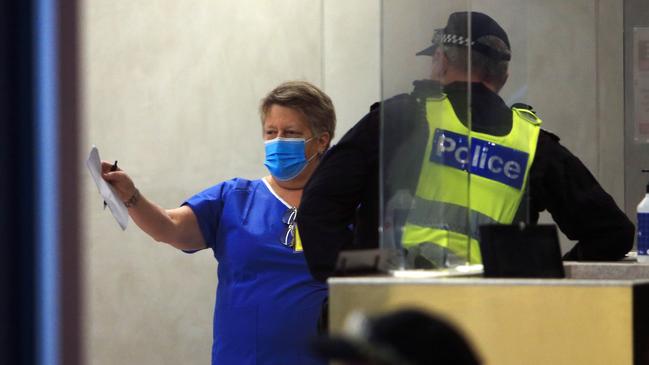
(435, 118)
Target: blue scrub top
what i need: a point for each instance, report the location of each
(267, 303)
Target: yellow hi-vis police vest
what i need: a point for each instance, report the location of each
(466, 182)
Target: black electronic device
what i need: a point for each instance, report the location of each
(361, 262)
(521, 251)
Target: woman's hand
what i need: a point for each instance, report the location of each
(122, 183)
(177, 227)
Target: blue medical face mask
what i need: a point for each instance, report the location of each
(285, 157)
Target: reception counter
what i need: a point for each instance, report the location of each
(518, 321)
(619, 270)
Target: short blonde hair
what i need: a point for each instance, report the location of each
(308, 100)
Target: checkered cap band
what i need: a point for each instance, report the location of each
(458, 40)
(455, 39)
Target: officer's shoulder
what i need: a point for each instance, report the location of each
(390, 102)
(550, 135)
(523, 106)
(397, 103)
(426, 89)
(527, 112)
(399, 99)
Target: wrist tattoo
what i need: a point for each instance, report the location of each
(132, 201)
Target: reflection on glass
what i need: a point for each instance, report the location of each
(454, 155)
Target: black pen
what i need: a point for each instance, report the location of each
(112, 168)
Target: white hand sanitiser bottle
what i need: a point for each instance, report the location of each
(643, 227)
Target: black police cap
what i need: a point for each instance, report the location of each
(456, 34)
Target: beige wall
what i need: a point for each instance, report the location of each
(171, 88)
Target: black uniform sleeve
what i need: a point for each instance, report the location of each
(339, 207)
(560, 183)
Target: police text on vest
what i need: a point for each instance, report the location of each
(483, 158)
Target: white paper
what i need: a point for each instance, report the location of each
(107, 192)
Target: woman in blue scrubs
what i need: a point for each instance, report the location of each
(267, 304)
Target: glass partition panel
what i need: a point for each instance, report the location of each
(636, 135)
(454, 153)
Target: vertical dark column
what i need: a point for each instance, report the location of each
(70, 256)
(17, 186)
(19, 212)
